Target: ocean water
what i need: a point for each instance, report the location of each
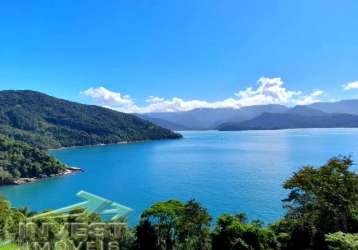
(225, 171)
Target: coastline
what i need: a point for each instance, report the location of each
(68, 171)
(94, 145)
(108, 144)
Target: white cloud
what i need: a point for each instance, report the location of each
(309, 99)
(317, 93)
(268, 91)
(158, 104)
(110, 99)
(351, 85)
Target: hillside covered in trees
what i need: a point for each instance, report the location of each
(48, 122)
(31, 122)
(20, 160)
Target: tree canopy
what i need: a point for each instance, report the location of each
(322, 200)
(49, 122)
(174, 225)
(20, 160)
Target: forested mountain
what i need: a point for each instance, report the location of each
(268, 121)
(317, 115)
(163, 123)
(344, 106)
(49, 122)
(196, 119)
(249, 112)
(20, 160)
(305, 111)
(207, 118)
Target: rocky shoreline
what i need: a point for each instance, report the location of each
(67, 171)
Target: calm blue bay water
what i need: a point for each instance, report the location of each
(225, 171)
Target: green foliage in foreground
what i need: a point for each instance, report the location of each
(321, 201)
(321, 215)
(47, 122)
(341, 240)
(174, 225)
(233, 232)
(20, 160)
(9, 247)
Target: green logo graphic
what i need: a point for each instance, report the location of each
(92, 204)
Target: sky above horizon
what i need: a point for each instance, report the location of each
(153, 56)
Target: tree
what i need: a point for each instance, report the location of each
(322, 200)
(339, 240)
(5, 177)
(20, 160)
(232, 232)
(194, 225)
(4, 216)
(294, 234)
(146, 236)
(175, 225)
(164, 216)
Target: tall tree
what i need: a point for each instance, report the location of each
(175, 225)
(4, 216)
(322, 200)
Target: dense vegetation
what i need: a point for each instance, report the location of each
(322, 213)
(31, 122)
(20, 160)
(48, 122)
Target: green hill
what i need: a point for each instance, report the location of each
(49, 122)
(20, 160)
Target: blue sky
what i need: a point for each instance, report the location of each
(201, 52)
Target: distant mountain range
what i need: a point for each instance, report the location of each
(261, 117)
(48, 122)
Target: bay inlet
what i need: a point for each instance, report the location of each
(225, 171)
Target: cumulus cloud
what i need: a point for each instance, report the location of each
(317, 93)
(267, 91)
(311, 98)
(110, 99)
(351, 85)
